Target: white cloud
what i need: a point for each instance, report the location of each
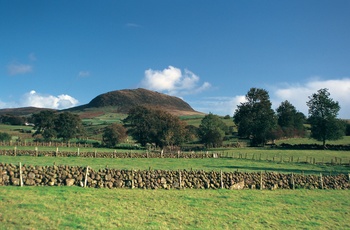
(35, 99)
(173, 81)
(84, 74)
(17, 68)
(218, 105)
(339, 90)
(297, 94)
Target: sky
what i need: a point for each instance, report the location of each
(60, 54)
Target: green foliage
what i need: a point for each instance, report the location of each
(113, 135)
(290, 121)
(323, 112)
(68, 126)
(49, 125)
(255, 118)
(12, 120)
(147, 125)
(347, 131)
(212, 130)
(5, 137)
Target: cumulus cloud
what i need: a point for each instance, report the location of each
(298, 94)
(173, 81)
(35, 99)
(18, 68)
(84, 74)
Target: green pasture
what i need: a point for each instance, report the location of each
(82, 208)
(206, 164)
(295, 141)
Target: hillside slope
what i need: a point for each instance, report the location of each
(123, 100)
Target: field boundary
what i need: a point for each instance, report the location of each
(63, 175)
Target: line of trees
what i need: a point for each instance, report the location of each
(254, 118)
(257, 121)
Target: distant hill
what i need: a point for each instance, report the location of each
(24, 111)
(119, 101)
(123, 100)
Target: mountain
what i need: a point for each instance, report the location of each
(123, 100)
(119, 101)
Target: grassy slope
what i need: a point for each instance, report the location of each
(74, 207)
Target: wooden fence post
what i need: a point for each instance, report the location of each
(321, 180)
(180, 182)
(261, 180)
(221, 181)
(78, 152)
(293, 183)
(56, 151)
(15, 151)
(20, 175)
(86, 174)
(36, 151)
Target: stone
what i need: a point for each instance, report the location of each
(31, 175)
(15, 181)
(70, 182)
(29, 182)
(237, 186)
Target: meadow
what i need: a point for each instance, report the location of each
(89, 208)
(82, 208)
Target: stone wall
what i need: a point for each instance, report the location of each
(14, 175)
(179, 154)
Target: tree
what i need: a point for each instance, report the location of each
(49, 124)
(148, 125)
(290, 120)
(323, 112)
(5, 137)
(255, 118)
(44, 124)
(113, 135)
(212, 130)
(68, 126)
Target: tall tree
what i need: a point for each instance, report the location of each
(323, 112)
(290, 120)
(68, 126)
(212, 130)
(44, 124)
(255, 118)
(113, 135)
(148, 125)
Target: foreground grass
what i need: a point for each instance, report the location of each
(206, 164)
(74, 207)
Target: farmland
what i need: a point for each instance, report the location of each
(58, 207)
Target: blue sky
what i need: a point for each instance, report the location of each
(59, 54)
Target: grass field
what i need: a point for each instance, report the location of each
(206, 164)
(78, 208)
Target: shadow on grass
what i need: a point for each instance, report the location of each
(280, 170)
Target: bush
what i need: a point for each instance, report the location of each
(5, 137)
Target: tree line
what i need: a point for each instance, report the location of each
(255, 120)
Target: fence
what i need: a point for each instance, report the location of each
(18, 175)
(179, 154)
(46, 144)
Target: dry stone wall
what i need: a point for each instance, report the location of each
(14, 175)
(179, 154)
